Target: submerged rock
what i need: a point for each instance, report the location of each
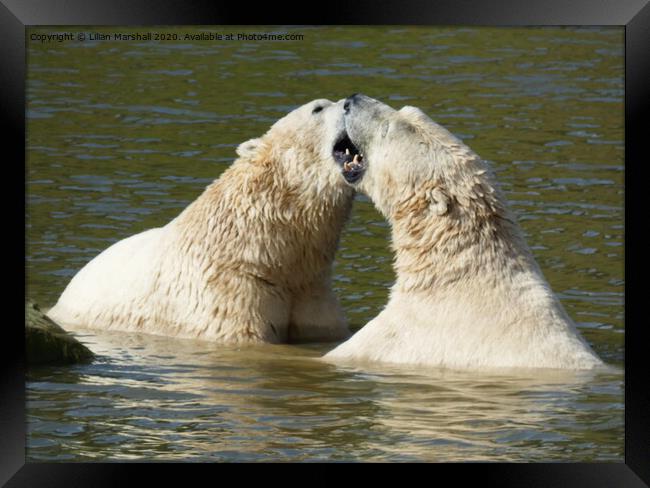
(47, 343)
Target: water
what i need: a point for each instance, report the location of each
(122, 135)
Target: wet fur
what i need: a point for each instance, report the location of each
(468, 293)
(249, 261)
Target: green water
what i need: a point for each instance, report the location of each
(122, 135)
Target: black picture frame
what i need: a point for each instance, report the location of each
(634, 15)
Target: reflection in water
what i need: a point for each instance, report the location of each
(154, 397)
(121, 136)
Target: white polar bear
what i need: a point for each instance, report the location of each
(248, 261)
(468, 293)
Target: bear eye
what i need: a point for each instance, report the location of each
(317, 109)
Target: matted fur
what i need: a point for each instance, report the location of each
(468, 293)
(248, 261)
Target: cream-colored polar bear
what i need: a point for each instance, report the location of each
(248, 261)
(468, 293)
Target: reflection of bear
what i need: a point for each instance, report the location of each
(248, 261)
(468, 292)
(166, 399)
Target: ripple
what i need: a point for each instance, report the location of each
(172, 72)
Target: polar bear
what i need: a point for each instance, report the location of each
(468, 292)
(249, 261)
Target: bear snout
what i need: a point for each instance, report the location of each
(354, 99)
(349, 101)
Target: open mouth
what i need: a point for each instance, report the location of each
(347, 155)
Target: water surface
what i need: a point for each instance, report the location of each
(122, 135)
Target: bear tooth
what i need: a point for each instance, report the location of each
(347, 151)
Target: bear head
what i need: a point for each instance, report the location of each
(410, 162)
(306, 148)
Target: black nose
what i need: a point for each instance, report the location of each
(349, 101)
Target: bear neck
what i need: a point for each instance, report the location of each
(477, 241)
(250, 220)
(470, 276)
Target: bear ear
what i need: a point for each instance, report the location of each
(439, 200)
(249, 148)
